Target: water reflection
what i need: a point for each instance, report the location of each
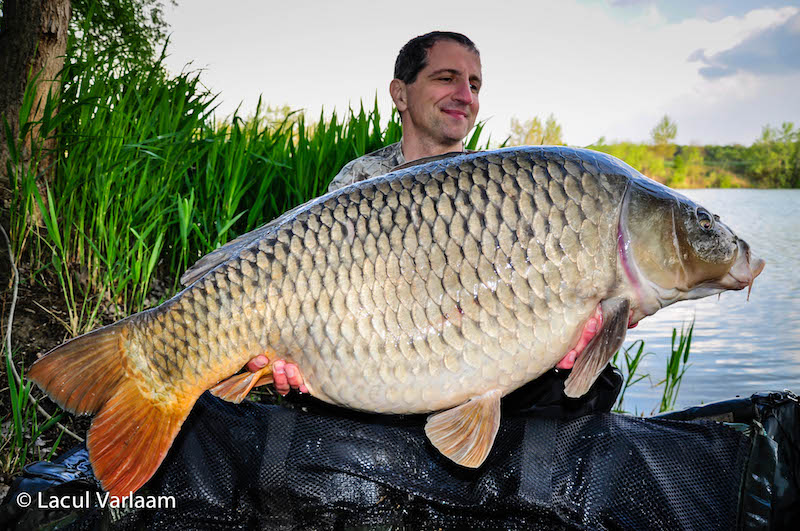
(739, 347)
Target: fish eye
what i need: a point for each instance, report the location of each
(705, 219)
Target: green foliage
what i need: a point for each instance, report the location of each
(632, 356)
(771, 162)
(665, 131)
(723, 180)
(533, 133)
(642, 157)
(688, 161)
(133, 29)
(775, 157)
(676, 368)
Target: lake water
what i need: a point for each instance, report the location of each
(739, 347)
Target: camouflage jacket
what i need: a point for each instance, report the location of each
(376, 163)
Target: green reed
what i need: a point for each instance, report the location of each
(675, 368)
(632, 356)
(21, 428)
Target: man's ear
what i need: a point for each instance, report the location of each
(399, 93)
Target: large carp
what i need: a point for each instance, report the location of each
(438, 287)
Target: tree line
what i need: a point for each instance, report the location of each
(771, 161)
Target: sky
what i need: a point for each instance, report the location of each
(721, 69)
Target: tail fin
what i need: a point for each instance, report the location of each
(83, 373)
(131, 434)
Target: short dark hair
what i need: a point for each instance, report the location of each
(413, 57)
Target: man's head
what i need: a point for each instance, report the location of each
(436, 85)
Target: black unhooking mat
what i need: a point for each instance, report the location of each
(253, 466)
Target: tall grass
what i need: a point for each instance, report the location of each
(21, 428)
(632, 357)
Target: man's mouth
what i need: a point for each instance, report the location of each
(455, 113)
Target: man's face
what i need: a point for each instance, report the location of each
(442, 103)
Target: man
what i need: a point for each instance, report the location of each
(436, 87)
(437, 80)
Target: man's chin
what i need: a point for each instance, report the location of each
(455, 135)
(457, 143)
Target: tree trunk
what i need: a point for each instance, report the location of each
(33, 39)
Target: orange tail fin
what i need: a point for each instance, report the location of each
(131, 434)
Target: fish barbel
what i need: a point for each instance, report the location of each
(439, 287)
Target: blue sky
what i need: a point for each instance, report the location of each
(721, 69)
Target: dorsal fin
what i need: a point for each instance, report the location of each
(232, 249)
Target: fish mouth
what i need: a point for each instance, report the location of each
(734, 281)
(744, 271)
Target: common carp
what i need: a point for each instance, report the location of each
(439, 287)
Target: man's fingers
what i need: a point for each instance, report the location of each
(590, 329)
(294, 377)
(568, 361)
(286, 376)
(594, 324)
(257, 363)
(279, 376)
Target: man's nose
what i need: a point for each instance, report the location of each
(464, 93)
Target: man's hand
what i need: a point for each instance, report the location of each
(286, 375)
(591, 327)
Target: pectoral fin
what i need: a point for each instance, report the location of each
(591, 362)
(466, 433)
(235, 388)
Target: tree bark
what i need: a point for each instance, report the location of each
(33, 39)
